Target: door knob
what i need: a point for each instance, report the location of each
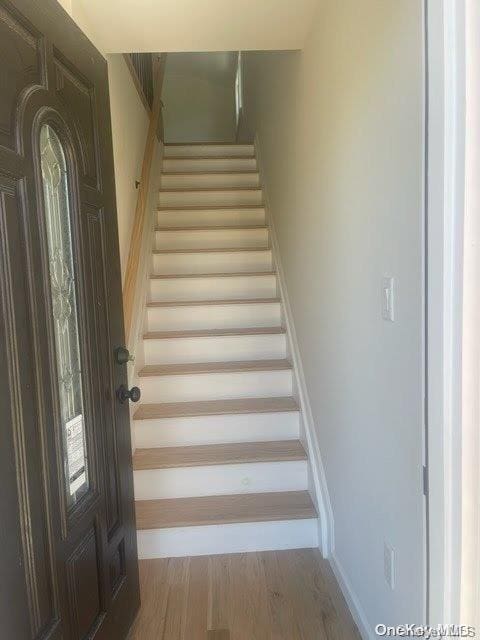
(124, 394)
(122, 355)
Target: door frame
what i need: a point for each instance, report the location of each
(445, 192)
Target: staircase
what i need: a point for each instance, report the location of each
(219, 466)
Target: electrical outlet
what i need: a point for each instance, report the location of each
(389, 565)
(388, 302)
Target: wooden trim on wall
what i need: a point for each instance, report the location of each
(142, 198)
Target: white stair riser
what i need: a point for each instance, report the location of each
(210, 150)
(252, 427)
(211, 239)
(210, 198)
(215, 349)
(210, 164)
(216, 386)
(256, 477)
(211, 217)
(209, 180)
(241, 537)
(212, 288)
(213, 317)
(222, 262)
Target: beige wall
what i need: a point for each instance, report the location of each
(190, 25)
(340, 135)
(199, 97)
(129, 129)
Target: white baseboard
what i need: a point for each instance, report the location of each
(352, 601)
(326, 522)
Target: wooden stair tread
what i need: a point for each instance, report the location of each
(203, 189)
(233, 274)
(213, 207)
(212, 333)
(223, 302)
(209, 143)
(240, 227)
(209, 158)
(214, 367)
(225, 172)
(207, 510)
(154, 411)
(206, 455)
(218, 250)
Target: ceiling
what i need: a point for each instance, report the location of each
(118, 26)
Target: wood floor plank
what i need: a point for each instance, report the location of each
(283, 625)
(182, 369)
(197, 600)
(150, 621)
(176, 614)
(224, 509)
(249, 617)
(160, 410)
(218, 454)
(221, 603)
(304, 594)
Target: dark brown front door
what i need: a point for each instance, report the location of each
(68, 562)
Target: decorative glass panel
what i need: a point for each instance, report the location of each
(65, 315)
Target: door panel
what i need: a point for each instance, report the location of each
(68, 556)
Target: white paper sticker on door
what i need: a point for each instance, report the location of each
(75, 454)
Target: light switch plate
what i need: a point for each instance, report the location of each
(388, 298)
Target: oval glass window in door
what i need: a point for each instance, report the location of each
(65, 312)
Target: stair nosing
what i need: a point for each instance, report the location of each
(209, 143)
(213, 333)
(217, 250)
(213, 303)
(193, 276)
(207, 189)
(209, 408)
(209, 158)
(211, 208)
(240, 366)
(211, 173)
(223, 454)
(243, 227)
(305, 512)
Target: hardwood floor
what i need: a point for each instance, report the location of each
(274, 595)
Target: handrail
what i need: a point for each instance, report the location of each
(131, 272)
(141, 69)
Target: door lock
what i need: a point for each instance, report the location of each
(122, 355)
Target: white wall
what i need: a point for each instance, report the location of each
(190, 25)
(340, 132)
(129, 129)
(199, 97)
